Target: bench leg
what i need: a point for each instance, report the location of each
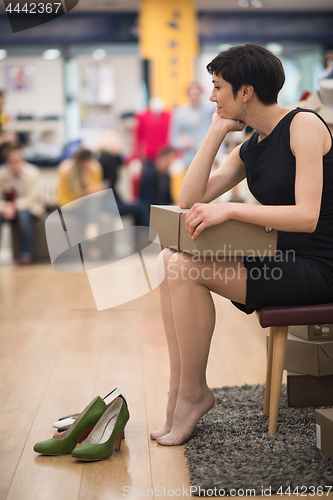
(269, 370)
(279, 354)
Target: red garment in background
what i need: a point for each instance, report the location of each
(151, 134)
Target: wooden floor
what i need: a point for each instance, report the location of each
(57, 353)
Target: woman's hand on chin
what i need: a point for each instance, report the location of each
(203, 215)
(227, 124)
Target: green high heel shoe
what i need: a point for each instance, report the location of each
(66, 442)
(106, 435)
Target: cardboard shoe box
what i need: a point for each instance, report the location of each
(309, 358)
(231, 238)
(324, 431)
(313, 332)
(306, 390)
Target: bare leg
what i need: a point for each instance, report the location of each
(170, 331)
(194, 316)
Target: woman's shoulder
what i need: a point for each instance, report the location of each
(309, 128)
(307, 119)
(304, 117)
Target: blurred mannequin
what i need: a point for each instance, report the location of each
(321, 101)
(326, 93)
(328, 64)
(152, 131)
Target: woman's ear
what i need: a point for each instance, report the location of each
(247, 92)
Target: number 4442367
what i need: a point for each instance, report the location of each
(34, 8)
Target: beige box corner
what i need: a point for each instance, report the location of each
(309, 358)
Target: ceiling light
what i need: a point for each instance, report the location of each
(276, 48)
(243, 3)
(3, 54)
(256, 3)
(99, 54)
(51, 54)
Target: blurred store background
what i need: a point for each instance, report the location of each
(126, 65)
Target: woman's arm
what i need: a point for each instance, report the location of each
(309, 141)
(198, 185)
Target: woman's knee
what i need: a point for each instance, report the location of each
(163, 261)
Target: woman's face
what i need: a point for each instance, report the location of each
(222, 95)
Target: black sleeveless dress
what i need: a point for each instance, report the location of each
(301, 273)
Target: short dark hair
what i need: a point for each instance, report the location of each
(83, 154)
(250, 64)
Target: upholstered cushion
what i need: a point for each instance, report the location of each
(296, 315)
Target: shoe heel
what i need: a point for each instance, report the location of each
(117, 442)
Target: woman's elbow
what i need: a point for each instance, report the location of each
(311, 225)
(183, 202)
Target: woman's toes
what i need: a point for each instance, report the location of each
(171, 440)
(160, 432)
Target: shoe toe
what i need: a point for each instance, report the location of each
(45, 447)
(87, 451)
(54, 447)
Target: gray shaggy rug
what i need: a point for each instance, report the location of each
(230, 449)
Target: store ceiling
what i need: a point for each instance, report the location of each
(204, 5)
(212, 5)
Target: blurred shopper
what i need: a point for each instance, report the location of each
(110, 157)
(19, 198)
(155, 186)
(80, 176)
(190, 123)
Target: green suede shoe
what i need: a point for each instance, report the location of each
(66, 442)
(106, 435)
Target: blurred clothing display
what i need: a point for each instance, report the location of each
(321, 101)
(152, 132)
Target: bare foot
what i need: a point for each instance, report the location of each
(168, 424)
(187, 414)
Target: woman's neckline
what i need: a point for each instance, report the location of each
(278, 123)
